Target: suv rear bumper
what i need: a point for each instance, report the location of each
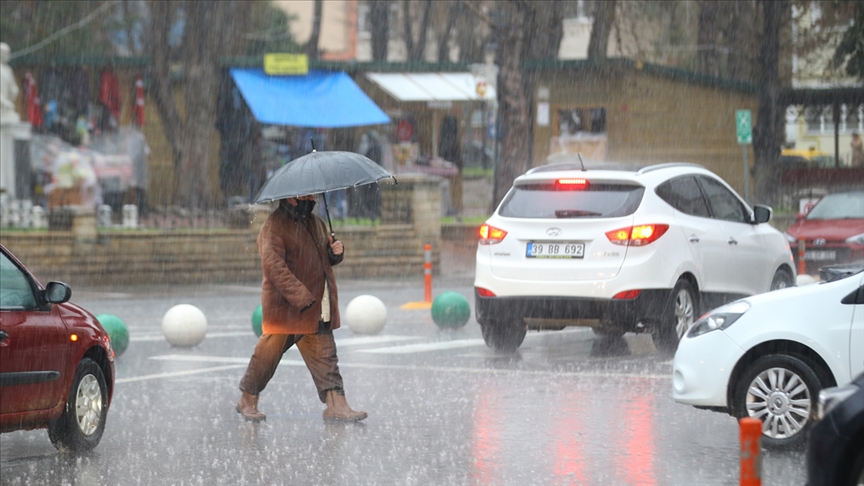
(650, 304)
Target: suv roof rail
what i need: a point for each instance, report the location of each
(589, 165)
(670, 165)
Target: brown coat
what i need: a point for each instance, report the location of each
(295, 259)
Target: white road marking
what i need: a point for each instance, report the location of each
(458, 343)
(416, 348)
(360, 340)
(349, 341)
(461, 370)
(175, 374)
(160, 337)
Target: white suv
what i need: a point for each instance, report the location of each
(622, 249)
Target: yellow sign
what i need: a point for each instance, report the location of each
(282, 64)
(481, 87)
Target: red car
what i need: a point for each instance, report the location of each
(833, 231)
(56, 361)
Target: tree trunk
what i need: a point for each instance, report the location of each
(407, 32)
(161, 20)
(768, 131)
(515, 156)
(379, 24)
(709, 59)
(542, 32)
(191, 136)
(443, 43)
(415, 50)
(741, 38)
(420, 47)
(312, 45)
(604, 15)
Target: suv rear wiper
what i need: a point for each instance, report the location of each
(574, 213)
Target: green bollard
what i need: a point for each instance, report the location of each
(117, 331)
(257, 319)
(451, 310)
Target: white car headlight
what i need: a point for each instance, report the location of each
(857, 239)
(719, 318)
(790, 238)
(831, 397)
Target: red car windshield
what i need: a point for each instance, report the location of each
(846, 205)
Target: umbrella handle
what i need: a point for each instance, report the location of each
(327, 210)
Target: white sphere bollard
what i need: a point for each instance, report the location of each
(366, 314)
(184, 325)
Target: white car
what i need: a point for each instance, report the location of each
(621, 250)
(767, 356)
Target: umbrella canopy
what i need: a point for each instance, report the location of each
(321, 172)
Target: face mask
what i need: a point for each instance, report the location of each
(304, 207)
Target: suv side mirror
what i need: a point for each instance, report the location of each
(761, 214)
(57, 293)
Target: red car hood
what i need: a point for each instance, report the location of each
(830, 229)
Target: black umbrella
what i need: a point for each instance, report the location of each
(321, 172)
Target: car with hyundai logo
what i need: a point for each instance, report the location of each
(621, 248)
(832, 231)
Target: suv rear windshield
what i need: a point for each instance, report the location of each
(548, 200)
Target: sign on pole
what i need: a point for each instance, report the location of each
(744, 127)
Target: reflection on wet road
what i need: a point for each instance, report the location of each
(567, 408)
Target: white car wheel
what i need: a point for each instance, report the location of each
(781, 391)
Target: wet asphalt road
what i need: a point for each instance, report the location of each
(566, 408)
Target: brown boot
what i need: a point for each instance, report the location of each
(248, 408)
(338, 409)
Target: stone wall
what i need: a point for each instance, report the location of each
(89, 256)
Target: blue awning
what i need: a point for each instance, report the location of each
(320, 99)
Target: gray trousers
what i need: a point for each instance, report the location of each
(318, 351)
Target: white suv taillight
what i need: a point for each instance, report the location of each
(640, 235)
(490, 235)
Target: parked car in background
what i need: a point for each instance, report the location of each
(805, 159)
(767, 356)
(56, 361)
(621, 249)
(833, 231)
(835, 448)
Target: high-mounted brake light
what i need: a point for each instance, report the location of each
(490, 235)
(637, 235)
(572, 183)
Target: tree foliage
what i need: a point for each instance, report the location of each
(270, 31)
(849, 55)
(25, 24)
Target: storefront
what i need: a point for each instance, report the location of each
(87, 142)
(266, 121)
(434, 116)
(622, 110)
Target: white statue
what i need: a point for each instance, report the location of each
(8, 87)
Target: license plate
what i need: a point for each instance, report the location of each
(820, 255)
(559, 249)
